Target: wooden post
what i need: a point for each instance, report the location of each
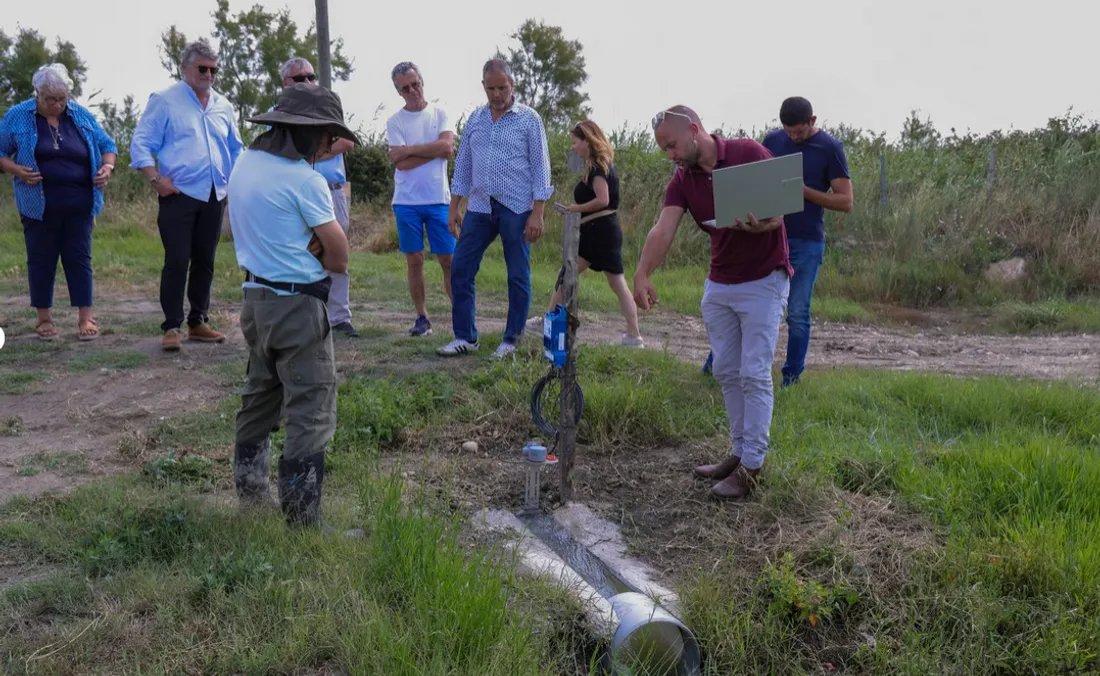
(324, 56)
(882, 178)
(991, 175)
(568, 425)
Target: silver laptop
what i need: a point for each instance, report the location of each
(767, 188)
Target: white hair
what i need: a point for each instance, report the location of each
(53, 77)
(291, 64)
(200, 49)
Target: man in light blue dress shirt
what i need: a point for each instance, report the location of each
(330, 165)
(503, 168)
(192, 130)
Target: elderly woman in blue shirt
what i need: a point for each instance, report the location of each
(60, 159)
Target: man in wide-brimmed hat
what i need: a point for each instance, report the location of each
(286, 236)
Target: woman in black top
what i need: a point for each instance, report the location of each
(596, 199)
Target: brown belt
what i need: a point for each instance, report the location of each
(598, 214)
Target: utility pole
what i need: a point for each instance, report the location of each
(569, 403)
(324, 58)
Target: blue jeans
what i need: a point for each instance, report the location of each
(806, 258)
(478, 232)
(68, 236)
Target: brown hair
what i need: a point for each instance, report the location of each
(602, 154)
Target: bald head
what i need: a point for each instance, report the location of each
(678, 116)
(680, 134)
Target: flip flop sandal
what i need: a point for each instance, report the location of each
(42, 335)
(86, 325)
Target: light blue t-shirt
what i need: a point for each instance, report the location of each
(274, 204)
(332, 169)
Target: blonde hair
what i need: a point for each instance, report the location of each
(601, 154)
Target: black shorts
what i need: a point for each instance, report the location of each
(601, 245)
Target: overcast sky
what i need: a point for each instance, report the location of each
(968, 64)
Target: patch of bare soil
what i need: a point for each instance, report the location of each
(931, 349)
(95, 420)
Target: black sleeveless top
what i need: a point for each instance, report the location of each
(584, 192)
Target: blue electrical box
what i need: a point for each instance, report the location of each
(553, 336)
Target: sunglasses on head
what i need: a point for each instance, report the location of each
(302, 78)
(213, 70)
(660, 117)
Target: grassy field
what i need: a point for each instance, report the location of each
(908, 523)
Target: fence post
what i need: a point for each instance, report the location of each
(882, 178)
(991, 175)
(568, 406)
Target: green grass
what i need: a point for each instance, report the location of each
(1050, 317)
(215, 592)
(20, 382)
(66, 463)
(111, 360)
(1004, 473)
(998, 476)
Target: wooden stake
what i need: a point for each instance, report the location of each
(568, 424)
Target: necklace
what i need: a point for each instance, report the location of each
(56, 134)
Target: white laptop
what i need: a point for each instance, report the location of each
(766, 188)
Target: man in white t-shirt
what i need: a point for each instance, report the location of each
(421, 139)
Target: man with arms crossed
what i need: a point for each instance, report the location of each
(331, 166)
(192, 130)
(421, 139)
(824, 167)
(282, 212)
(503, 166)
(745, 293)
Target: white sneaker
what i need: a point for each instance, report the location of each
(632, 341)
(536, 324)
(503, 351)
(457, 347)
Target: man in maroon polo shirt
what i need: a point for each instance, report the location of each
(745, 294)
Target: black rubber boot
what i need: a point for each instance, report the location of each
(250, 475)
(300, 488)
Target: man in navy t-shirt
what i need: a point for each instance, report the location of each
(826, 185)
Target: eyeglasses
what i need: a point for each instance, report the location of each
(302, 78)
(213, 70)
(55, 100)
(409, 87)
(660, 117)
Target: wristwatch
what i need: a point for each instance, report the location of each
(108, 164)
(154, 180)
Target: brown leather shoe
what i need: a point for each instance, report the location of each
(720, 470)
(171, 341)
(739, 484)
(204, 334)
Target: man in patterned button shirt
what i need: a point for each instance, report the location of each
(503, 168)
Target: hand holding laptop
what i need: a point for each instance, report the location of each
(754, 226)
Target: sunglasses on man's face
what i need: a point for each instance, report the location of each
(213, 70)
(302, 78)
(660, 117)
(409, 87)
